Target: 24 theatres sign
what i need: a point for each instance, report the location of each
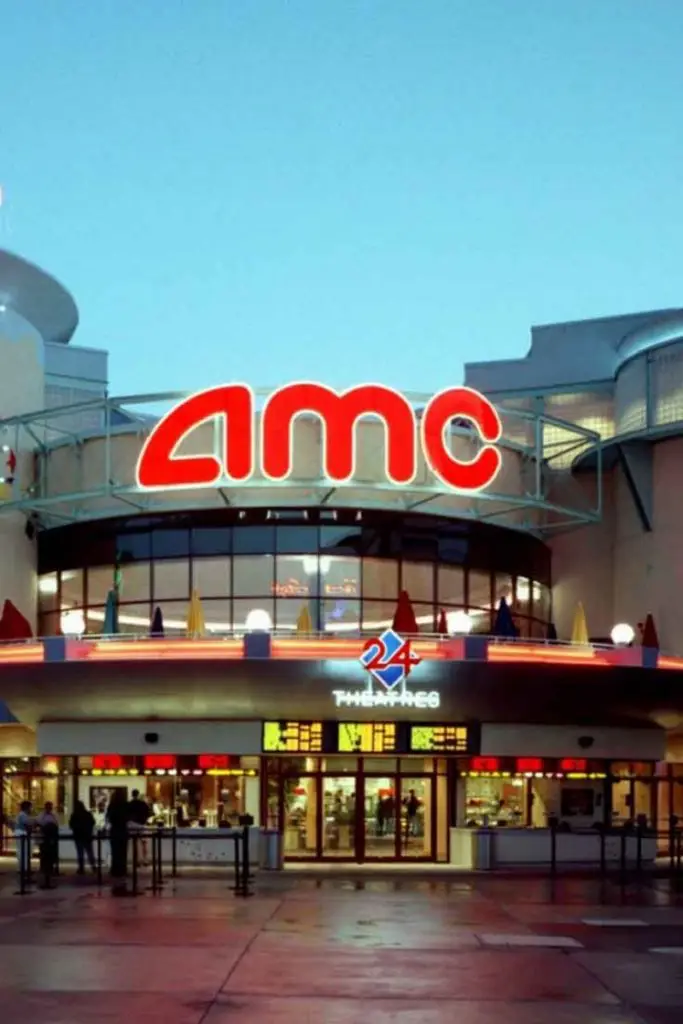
(232, 406)
(389, 660)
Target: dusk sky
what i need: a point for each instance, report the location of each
(336, 190)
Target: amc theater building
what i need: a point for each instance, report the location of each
(296, 554)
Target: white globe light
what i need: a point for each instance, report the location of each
(623, 634)
(72, 622)
(459, 623)
(259, 621)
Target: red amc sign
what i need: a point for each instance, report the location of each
(160, 468)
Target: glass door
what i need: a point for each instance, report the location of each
(416, 817)
(339, 823)
(379, 817)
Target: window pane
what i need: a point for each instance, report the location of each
(242, 606)
(296, 539)
(340, 576)
(253, 540)
(253, 574)
(135, 546)
(135, 582)
(211, 540)
(340, 616)
(378, 615)
(211, 576)
(100, 581)
(48, 598)
(173, 616)
(217, 616)
(418, 579)
(527, 595)
(503, 589)
(171, 580)
(481, 620)
(380, 578)
(424, 613)
(72, 588)
(288, 610)
(170, 544)
(133, 618)
(451, 589)
(49, 624)
(479, 589)
(342, 539)
(296, 576)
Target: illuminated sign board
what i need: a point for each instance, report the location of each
(367, 738)
(292, 737)
(232, 407)
(445, 739)
(389, 660)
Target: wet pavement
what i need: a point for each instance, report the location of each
(309, 949)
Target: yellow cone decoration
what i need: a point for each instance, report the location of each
(303, 623)
(195, 617)
(580, 627)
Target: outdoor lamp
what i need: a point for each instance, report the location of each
(459, 623)
(258, 621)
(72, 622)
(623, 635)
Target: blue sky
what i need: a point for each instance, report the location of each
(340, 190)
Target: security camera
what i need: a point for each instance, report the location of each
(585, 742)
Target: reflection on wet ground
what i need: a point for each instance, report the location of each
(405, 949)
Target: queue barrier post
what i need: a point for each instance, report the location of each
(237, 885)
(24, 858)
(603, 851)
(553, 823)
(136, 855)
(160, 862)
(246, 890)
(622, 857)
(174, 852)
(98, 855)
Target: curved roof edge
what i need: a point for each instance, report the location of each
(38, 298)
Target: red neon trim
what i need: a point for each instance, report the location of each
(159, 761)
(158, 466)
(107, 762)
(461, 403)
(485, 764)
(573, 764)
(529, 764)
(209, 762)
(339, 413)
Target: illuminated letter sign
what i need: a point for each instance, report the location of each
(231, 407)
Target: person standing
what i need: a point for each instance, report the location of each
(48, 824)
(82, 825)
(23, 827)
(139, 814)
(117, 820)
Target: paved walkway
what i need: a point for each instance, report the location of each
(330, 951)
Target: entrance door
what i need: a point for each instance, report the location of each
(379, 817)
(417, 817)
(339, 823)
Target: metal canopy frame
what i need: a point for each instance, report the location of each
(553, 498)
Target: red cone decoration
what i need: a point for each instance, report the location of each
(442, 624)
(404, 616)
(13, 625)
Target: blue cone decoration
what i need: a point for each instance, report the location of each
(157, 628)
(552, 632)
(504, 626)
(111, 616)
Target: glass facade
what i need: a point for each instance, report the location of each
(348, 576)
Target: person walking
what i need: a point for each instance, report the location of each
(82, 825)
(117, 820)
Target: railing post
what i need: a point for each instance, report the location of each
(174, 852)
(136, 840)
(552, 824)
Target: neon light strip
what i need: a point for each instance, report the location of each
(24, 653)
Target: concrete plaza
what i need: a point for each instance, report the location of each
(317, 949)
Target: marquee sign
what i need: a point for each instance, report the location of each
(232, 406)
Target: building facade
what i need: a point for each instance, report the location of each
(291, 728)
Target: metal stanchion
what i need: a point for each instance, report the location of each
(98, 865)
(639, 849)
(246, 875)
(24, 856)
(136, 839)
(174, 852)
(679, 850)
(552, 822)
(603, 852)
(160, 862)
(236, 888)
